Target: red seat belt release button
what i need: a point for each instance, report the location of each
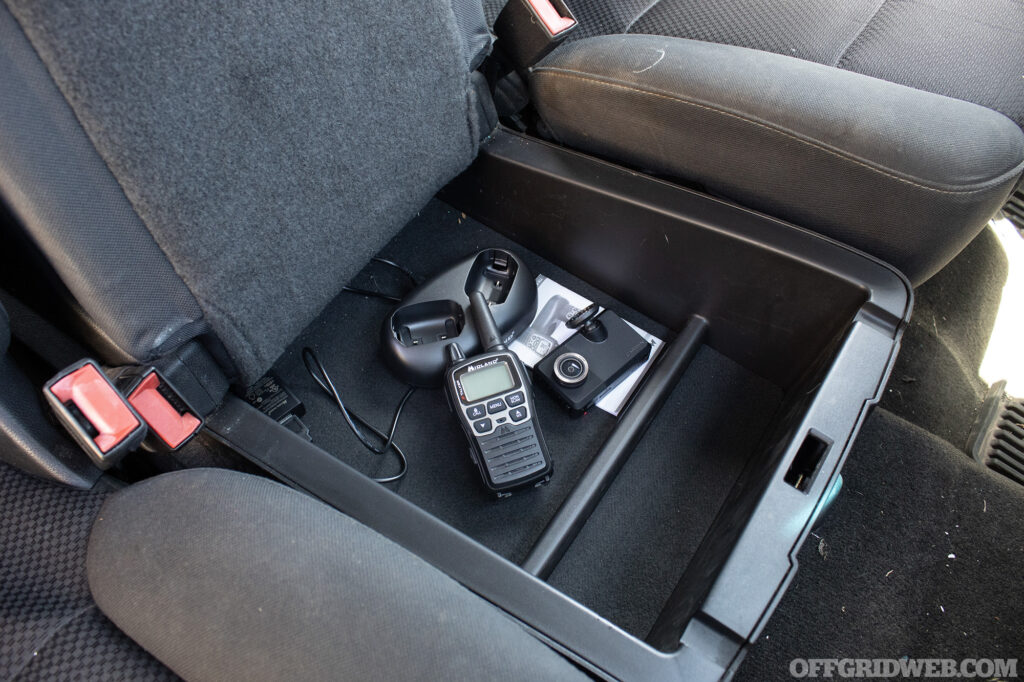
(554, 22)
(94, 412)
(166, 413)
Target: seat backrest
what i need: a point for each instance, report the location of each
(229, 166)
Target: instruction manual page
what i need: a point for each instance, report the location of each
(555, 305)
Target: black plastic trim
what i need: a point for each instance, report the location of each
(294, 460)
(547, 197)
(567, 522)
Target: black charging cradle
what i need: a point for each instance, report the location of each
(414, 335)
(593, 360)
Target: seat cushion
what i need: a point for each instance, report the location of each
(227, 576)
(968, 50)
(50, 628)
(905, 175)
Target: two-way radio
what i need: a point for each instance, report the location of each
(492, 397)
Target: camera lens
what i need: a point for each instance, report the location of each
(571, 369)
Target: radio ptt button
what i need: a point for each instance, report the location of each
(476, 411)
(496, 405)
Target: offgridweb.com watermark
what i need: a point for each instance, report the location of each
(896, 668)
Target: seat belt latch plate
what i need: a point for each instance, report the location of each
(172, 421)
(556, 20)
(95, 413)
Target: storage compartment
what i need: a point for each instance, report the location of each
(708, 429)
(690, 546)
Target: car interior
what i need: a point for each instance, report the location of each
(525, 339)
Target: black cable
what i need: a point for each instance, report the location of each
(320, 376)
(395, 265)
(370, 292)
(381, 294)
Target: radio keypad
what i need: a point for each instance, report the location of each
(499, 410)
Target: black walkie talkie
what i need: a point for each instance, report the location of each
(492, 397)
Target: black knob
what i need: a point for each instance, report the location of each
(455, 354)
(583, 316)
(588, 324)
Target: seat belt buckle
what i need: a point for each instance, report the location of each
(95, 413)
(528, 30)
(172, 421)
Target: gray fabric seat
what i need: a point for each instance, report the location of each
(225, 576)
(50, 628)
(849, 127)
(967, 50)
